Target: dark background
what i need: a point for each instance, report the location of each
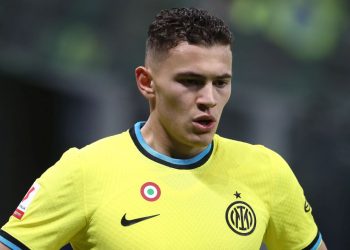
(67, 79)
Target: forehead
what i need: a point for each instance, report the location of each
(216, 59)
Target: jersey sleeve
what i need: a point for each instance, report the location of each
(52, 211)
(291, 225)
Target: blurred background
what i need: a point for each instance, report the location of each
(67, 79)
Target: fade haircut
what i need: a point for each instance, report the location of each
(197, 27)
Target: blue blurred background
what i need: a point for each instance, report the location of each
(67, 79)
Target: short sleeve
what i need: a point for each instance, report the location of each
(52, 211)
(291, 224)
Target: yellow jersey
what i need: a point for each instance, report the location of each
(119, 193)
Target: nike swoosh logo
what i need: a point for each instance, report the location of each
(125, 222)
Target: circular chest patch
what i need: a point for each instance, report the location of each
(150, 191)
(240, 217)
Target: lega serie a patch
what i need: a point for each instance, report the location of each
(28, 198)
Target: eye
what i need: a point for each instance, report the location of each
(221, 83)
(191, 81)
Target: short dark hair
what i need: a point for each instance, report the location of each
(191, 25)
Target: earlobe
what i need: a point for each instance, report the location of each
(144, 81)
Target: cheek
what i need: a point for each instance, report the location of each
(225, 96)
(174, 107)
(174, 100)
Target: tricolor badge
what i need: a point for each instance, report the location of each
(150, 191)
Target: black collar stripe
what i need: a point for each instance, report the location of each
(166, 163)
(13, 240)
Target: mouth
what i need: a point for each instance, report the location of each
(204, 123)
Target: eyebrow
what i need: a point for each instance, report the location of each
(195, 75)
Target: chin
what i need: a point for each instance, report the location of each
(203, 140)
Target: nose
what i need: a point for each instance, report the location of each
(206, 98)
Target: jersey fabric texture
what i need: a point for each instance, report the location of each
(118, 193)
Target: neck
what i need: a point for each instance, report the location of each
(157, 138)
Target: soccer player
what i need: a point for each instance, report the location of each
(170, 182)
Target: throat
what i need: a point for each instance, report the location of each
(164, 144)
(174, 149)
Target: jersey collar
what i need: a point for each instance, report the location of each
(145, 149)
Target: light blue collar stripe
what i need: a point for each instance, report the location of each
(9, 244)
(318, 243)
(166, 158)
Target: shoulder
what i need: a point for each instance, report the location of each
(241, 149)
(226, 144)
(94, 160)
(104, 156)
(107, 144)
(95, 150)
(254, 157)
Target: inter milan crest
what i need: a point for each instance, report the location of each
(150, 191)
(240, 217)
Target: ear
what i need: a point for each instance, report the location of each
(144, 81)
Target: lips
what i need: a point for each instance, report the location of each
(204, 119)
(204, 123)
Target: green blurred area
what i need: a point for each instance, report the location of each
(308, 30)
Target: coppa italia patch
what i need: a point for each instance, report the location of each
(150, 191)
(28, 198)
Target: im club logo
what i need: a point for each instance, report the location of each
(240, 217)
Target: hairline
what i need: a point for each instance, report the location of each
(160, 54)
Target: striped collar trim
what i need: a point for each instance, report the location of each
(145, 149)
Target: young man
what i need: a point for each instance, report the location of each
(170, 182)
